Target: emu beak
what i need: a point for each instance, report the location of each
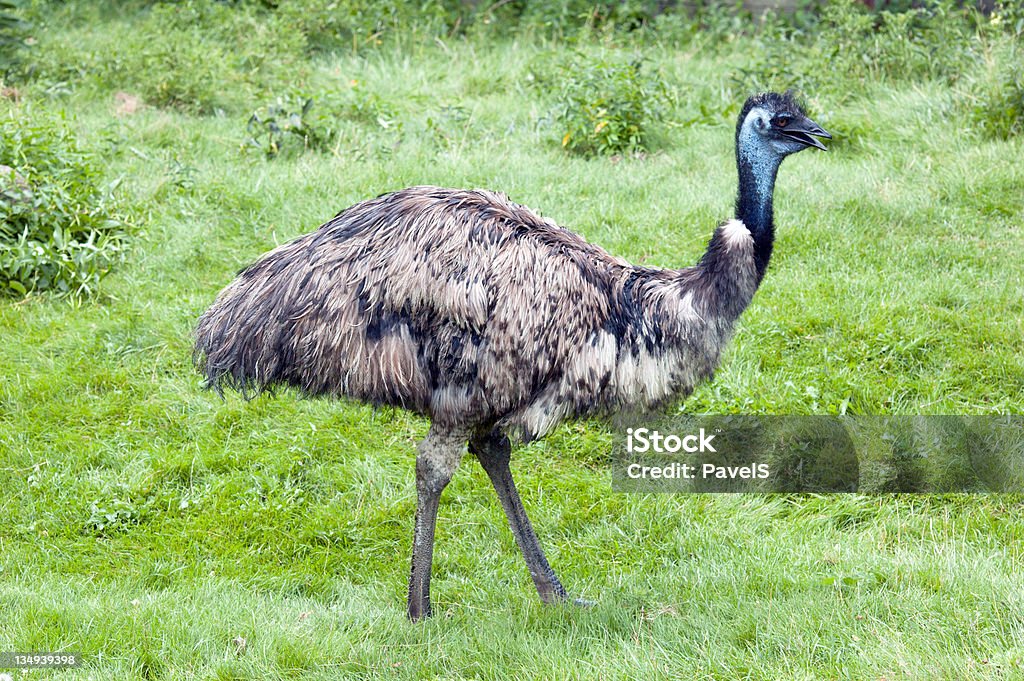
(804, 131)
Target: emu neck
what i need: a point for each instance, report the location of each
(757, 172)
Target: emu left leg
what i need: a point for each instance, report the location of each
(494, 451)
(438, 456)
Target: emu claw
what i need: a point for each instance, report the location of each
(584, 603)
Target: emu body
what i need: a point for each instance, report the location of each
(474, 311)
(490, 320)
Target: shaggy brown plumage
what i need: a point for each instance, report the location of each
(472, 310)
(476, 312)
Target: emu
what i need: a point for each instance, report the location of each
(492, 321)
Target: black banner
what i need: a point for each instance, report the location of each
(821, 454)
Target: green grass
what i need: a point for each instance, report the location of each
(897, 287)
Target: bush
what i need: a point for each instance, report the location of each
(175, 73)
(13, 30)
(59, 229)
(849, 42)
(608, 107)
(351, 24)
(200, 56)
(289, 125)
(196, 56)
(998, 110)
(995, 99)
(562, 16)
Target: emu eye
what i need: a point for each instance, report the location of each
(782, 121)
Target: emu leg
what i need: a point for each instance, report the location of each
(494, 451)
(437, 458)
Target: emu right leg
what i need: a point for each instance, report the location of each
(494, 451)
(437, 458)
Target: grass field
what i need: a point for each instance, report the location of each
(167, 534)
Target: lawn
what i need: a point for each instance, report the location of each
(166, 533)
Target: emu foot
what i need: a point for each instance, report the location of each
(418, 611)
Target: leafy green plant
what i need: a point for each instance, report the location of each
(195, 56)
(447, 125)
(993, 93)
(367, 107)
(109, 516)
(1008, 17)
(60, 230)
(13, 29)
(998, 110)
(330, 25)
(177, 75)
(608, 107)
(849, 42)
(288, 125)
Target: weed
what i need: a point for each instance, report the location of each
(13, 32)
(60, 229)
(999, 112)
(608, 107)
(995, 98)
(850, 43)
(197, 57)
(354, 24)
(106, 517)
(288, 125)
(449, 121)
(368, 107)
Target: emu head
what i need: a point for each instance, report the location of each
(772, 126)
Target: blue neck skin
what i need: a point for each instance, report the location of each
(758, 166)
